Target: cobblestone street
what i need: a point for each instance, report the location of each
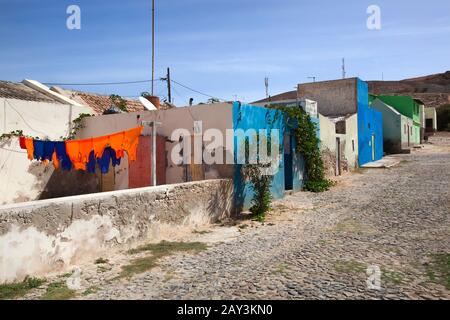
(318, 246)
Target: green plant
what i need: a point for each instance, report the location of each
(19, 289)
(318, 186)
(119, 102)
(90, 290)
(7, 136)
(307, 144)
(350, 267)
(213, 100)
(101, 261)
(259, 179)
(159, 251)
(438, 270)
(58, 291)
(77, 124)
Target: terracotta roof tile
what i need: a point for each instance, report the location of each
(99, 103)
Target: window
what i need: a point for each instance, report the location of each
(368, 125)
(353, 145)
(404, 128)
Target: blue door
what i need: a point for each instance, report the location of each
(288, 164)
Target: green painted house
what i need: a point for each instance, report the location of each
(372, 98)
(397, 128)
(408, 107)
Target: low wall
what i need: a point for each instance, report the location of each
(51, 235)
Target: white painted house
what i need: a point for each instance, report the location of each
(31, 107)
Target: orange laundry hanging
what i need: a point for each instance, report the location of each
(55, 160)
(30, 148)
(131, 142)
(78, 152)
(101, 143)
(121, 142)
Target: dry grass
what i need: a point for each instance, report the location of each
(158, 251)
(58, 291)
(19, 289)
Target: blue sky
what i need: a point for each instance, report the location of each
(221, 47)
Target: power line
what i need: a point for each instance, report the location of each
(196, 91)
(23, 119)
(98, 83)
(132, 82)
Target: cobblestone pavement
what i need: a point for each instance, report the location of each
(396, 219)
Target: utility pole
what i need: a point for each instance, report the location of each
(153, 46)
(343, 69)
(266, 82)
(169, 91)
(153, 125)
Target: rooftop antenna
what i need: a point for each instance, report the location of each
(313, 78)
(153, 45)
(266, 82)
(343, 69)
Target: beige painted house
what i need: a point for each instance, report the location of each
(339, 138)
(211, 115)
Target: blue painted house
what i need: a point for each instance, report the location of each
(370, 127)
(290, 173)
(344, 98)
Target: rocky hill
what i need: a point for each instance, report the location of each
(433, 90)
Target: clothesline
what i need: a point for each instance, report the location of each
(87, 153)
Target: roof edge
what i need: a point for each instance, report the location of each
(36, 85)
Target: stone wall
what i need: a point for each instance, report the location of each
(51, 235)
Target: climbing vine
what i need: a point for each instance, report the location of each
(7, 136)
(259, 177)
(260, 184)
(77, 124)
(307, 144)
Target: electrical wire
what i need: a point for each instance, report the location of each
(99, 83)
(20, 115)
(196, 91)
(134, 82)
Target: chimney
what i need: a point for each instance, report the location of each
(154, 100)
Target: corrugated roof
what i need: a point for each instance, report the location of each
(12, 90)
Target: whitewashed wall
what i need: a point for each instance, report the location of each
(20, 179)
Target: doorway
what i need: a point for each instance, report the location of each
(409, 137)
(338, 157)
(288, 164)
